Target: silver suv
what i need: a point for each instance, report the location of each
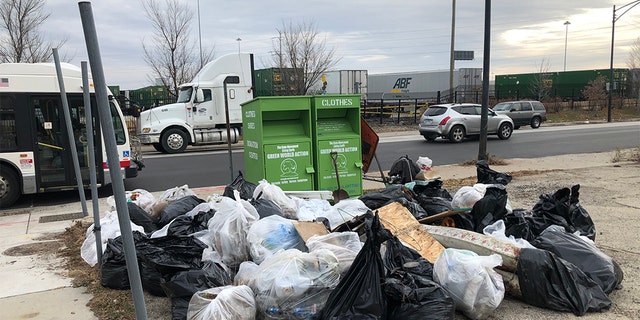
(523, 113)
(456, 121)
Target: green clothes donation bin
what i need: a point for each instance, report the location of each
(277, 142)
(336, 129)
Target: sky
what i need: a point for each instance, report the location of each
(374, 35)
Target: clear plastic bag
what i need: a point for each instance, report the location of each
(266, 190)
(289, 281)
(270, 234)
(109, 229)
(471, 281)
(143, 198)
(467, 196)
(228, 302)
(228, 229)
(345, 245)
(498, 229)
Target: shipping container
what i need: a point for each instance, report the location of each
(342, 82)
(564, 84)
(275, 82)
(422, 84)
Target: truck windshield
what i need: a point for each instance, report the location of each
(185, 94)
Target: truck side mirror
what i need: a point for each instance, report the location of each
(199, 96)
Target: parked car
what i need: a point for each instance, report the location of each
(457, 121)
(523, 113)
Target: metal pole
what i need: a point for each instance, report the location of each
(613, 28)
(102, 99)
(200, 37)
(482, 149)
(451, 60)
(566, 34)
(70, 134)
(92, 160)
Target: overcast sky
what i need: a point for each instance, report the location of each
(374, 35)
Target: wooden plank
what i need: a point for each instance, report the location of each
(404, 225)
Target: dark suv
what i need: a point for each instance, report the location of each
(523, 113)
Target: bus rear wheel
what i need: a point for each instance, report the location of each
(9, 187)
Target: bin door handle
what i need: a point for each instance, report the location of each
(359, 164)
(310, 170)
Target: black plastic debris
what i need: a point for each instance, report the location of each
(244, 187)
(177, 208)
(487, 175)
(548, 281)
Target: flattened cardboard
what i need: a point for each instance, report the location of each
(307, 229)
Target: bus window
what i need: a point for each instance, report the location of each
(8, 139)
(117, 124)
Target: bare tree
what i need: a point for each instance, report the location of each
(595, 92)
(302, 56)
(542, 82)
(171, 53)
(634, 69)
(23, 40)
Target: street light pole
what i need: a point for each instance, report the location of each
(451, 59)
(626, 8)
(566, 34)
(238, 44)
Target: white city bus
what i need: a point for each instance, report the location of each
(35, 154)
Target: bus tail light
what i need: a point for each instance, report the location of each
(123, 164)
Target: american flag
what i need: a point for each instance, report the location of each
(4, 82)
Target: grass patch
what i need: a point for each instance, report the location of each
(621, 155)
(580, 115)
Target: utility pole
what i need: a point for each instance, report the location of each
(451, 60)
(566, 33)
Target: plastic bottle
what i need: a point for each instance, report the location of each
(305, 312)
(273, 311)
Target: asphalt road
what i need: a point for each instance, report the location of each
(202, 167)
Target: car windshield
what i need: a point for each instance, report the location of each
(503, 106)
(185, 94)
(435, 111)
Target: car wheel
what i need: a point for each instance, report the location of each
(504, 131)
(535, 123)
(516, 127)
(158, 147)
(457, 133)
(174, 141)
(9, 187)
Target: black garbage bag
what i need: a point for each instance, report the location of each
(563, 209)
(403, 170)
(432, 188)
(185, 225)
(378, 199)
(490, 176)
(434, 205)
(266, 207)
(586, 256)
(414, 207)
(548, 281)
(113, 267)
(142, 218)
(489, 209)
(172, 254)
(359, 294)
(183, 285)
(579, 216)
(521, 224)
(177, 208)
(409, 287)
(243, 186)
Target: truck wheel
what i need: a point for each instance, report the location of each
(9, 187)
(158, 147)
(174, 141)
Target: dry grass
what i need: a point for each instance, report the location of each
(621, 155)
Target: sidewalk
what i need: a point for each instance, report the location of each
(34, 286)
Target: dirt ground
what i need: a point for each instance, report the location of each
(609, 192)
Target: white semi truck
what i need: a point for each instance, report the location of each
(199, 116)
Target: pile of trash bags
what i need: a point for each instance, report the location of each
(255, 252)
